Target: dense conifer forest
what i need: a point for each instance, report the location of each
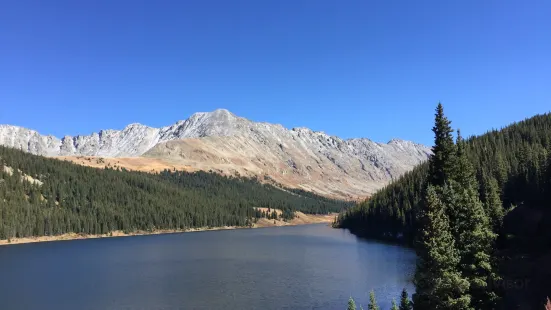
(478, 214)
(73, 198)
(516, 159)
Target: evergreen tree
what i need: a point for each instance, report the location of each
(405, 303)
(499, 169)
(463, 173)
(475, 242)
(351, 304)
(394, 306)
(493, 205)
(472, 231)
(441, 163)
(372, 302)
(438, 283)
(547, 179)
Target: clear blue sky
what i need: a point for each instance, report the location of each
(354, 68)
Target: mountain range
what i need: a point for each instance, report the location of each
(223, 142)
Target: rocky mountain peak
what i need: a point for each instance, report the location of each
(219, 116)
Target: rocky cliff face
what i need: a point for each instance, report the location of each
(224, 142)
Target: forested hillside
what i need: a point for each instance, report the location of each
(74, 198)
(516, 157)
(511, 170)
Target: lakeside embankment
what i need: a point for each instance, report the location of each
(300, 219)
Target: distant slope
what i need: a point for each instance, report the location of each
(224, 142)
(73, 198)
(325, 165)
(143, 164)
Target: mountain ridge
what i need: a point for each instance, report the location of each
(221, 141)
(53, 139)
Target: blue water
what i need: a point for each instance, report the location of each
(301, 267)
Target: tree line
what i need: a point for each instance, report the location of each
(79, 199)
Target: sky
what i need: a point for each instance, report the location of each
(354, 68)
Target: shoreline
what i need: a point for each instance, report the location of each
(262, 223)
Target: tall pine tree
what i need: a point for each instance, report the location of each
(439, 285)
(372, 302)
(394, 306)
(463, 171)
(351, 304)
(442, 161)
(490, 194)
(405, 303)
(472, 231)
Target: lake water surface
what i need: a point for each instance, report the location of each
(300, 267)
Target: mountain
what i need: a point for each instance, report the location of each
(226, 143)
